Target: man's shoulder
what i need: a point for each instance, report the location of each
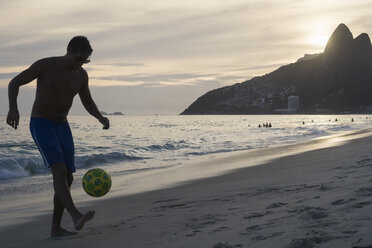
(51, 60)
(46, 62)
(83, 73)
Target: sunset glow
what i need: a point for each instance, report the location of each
(193, 45)
(319, 40)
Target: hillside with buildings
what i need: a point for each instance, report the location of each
(339, 80)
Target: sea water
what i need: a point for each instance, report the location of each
(144, 153)
(134, 144)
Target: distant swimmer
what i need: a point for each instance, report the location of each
(270, 125)
(259, 125)
(303, 123)
(59, 80)
(352, 119)
(336, 119)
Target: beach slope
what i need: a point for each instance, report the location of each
(317, 198)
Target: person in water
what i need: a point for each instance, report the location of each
(59, 79)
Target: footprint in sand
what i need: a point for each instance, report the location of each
(194, 232)
(204, 222)
(350, 232)
(251, 230)
(364, 191)
(308, 242)
(276, 205)
(264, 237)
(174, 206)
(105, 228)
(343, 201)
(220, 229)
(166, 201)
(137, 218)
(362, 176)
(315, 214)
(339, 202)
(268, 190)
(324, 187)
(365, 162)
(254, 228)
(256, 215)
(226, 245)
(307, 212)
(361, 204)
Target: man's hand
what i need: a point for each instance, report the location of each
(105, 122)
(13, 118)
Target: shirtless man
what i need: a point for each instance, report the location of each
(59, 79)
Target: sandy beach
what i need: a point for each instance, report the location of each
(314, 195)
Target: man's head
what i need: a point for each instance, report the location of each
(79, 44)
(79, 50)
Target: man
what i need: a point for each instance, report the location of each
(59, 79)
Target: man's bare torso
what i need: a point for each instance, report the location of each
(56, 87)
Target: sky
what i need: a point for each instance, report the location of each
(157, 57)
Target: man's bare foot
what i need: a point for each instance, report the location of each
(79, 224)
(59, 232)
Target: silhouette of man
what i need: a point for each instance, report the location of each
(59, 79)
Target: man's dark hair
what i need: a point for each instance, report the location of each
(79, 44)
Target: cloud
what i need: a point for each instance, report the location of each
(270, 66)
(168, 30)
(145, 78)
(191, 44)
(175, 32)
(8, 75)
(122, 64)
(140, 99)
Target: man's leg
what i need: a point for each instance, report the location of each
(62, 193)
(57, 230)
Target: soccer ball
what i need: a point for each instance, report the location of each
(96, 182)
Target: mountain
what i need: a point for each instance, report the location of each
(336, 81)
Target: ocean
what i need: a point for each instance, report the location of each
(135, 144)
(144, 153)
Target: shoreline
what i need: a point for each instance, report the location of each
(178, 148)
(217, 164)
(249, 206)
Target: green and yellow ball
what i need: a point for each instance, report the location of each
(96, 182)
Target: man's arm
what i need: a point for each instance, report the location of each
(23, 78)
(89, 104)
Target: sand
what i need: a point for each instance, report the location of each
(297, 197)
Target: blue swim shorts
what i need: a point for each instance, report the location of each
(54, 141)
